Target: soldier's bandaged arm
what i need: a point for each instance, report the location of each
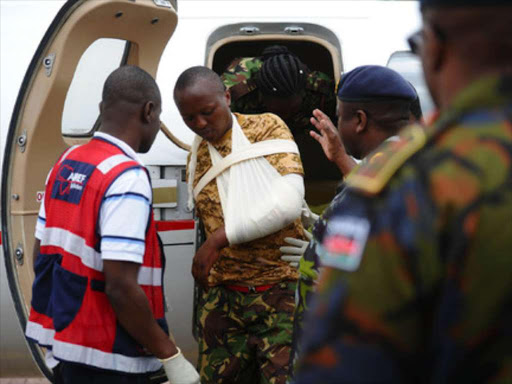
(278, 210)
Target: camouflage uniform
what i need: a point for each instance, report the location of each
(226, 354)
(321, 175)
(239, 79)
(309, 268)
(417, 279)
(237, 262)
(246, 336)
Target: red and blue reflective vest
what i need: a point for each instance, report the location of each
(70, 312)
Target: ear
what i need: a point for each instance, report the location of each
(147, 112)
(362, 121)
(434, 54)
(227, 95)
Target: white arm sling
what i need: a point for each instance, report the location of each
(256, 200)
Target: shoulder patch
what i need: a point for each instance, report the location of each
(372, 175)
(71, 180)
(344, 242)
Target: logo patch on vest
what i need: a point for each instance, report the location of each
(72, 177)
(344, 243)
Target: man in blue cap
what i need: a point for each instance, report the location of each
(373, 105)
(416, 284)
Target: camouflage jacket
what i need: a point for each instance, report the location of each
(245, 98)
(257, 262)
(416, 284)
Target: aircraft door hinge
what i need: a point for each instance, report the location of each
(22, 141)
(19, 254)
(48, 63)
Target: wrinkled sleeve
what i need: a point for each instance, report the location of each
(124, 217)
(379, 268)
(41, 217)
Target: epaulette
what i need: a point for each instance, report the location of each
(373, 173)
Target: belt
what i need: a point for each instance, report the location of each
(250, 288)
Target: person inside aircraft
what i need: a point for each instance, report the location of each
(97, 296)
(373, 106)
(279, 82)
(247, 208)
(416, 280)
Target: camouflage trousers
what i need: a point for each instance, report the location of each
(305, 288)
(245, 337)
(308, 274)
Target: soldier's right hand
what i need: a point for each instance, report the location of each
(207, 255)
(179, 370)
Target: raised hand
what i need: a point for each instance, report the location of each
(330, 141)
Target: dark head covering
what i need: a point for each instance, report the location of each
(282, 74)
(462, 3)
(374, 83)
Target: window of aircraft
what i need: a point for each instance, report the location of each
(409, 66)
(81, 108)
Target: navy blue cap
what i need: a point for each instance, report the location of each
(374, 83)
(462, 3)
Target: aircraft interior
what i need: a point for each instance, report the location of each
(321, 176)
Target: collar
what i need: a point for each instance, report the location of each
(489, 91)
(121, 144)
(228, 135)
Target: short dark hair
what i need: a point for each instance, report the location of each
(391, 115)
(416, 110)
(192, 75)
(282, 74)
(130, 84)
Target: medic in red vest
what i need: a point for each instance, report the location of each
(97, 298)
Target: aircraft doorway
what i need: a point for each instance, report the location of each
(319, 49)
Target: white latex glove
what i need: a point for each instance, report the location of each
(294, 252)
(179, 370)
(308, 218)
